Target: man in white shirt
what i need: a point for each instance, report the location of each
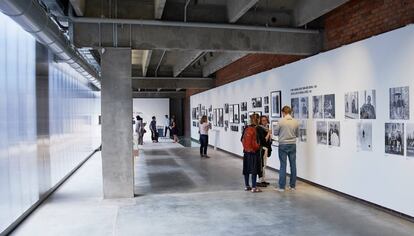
(166, 125)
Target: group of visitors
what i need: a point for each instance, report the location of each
(170, 125)
(257, 140)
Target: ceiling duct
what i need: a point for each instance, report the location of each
(30, 15)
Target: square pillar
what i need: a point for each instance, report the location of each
(116, 105)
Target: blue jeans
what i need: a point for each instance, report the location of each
(246, 180)
(285, 151)
(203, 144)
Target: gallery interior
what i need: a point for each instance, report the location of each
(81, 80)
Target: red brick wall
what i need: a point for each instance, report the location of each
(250, 65)
(361, 19)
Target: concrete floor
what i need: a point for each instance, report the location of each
(180, 194)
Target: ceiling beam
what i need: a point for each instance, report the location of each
(78, 7)
(159, 8)
(307, 11)
(221, 61)
(161, 94)
(185, 59)
(146, 58)
(172, 83)
(148, 35)
(237, 8)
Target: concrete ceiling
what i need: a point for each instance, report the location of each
(194, 38)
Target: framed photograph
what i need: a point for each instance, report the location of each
(276, 104)
(275, 138)
(294, 104)
(303, 131)
(243, 118)
(226, 125)
(257, 102)
(266, 100)
(266, 109)
(199, 112)
(410, 140)
(394, 138)
(234, 128)
(351, 105)
(367, 100)
(329, 107)
(203, 111)
(215, 117)
(236, 114)
(194, 113)
(334, 137)
(364, 136)
(244, 106)
(221, 117)
(400, 103)
(226, 108)
(321, 132)
(304, 107)
(231, 113)
(317, 107)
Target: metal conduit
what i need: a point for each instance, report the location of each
(30, 15)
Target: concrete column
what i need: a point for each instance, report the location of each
(116, 100)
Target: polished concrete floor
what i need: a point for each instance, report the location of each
(177, 193)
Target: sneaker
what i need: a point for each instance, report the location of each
(256, 190)
(292, 189)
(280, 189)
(248, 188)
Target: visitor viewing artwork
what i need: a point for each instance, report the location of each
(410, 140)
(276, 106)
(321, 132)
(317, 110)
(334, 138)
(394, 138)
(303, 131)
(329, 106)
(257, 102)
(351, 105)
(364, 136)
(294, 104)
(399, 103)
(304, 107)
(367, 99)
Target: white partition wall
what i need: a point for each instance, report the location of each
(379, 63)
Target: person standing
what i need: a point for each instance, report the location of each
(251, 157)
(166, 126)
(174, 130)
(203, 130)
(265, 137)
(139, 128)
(153, 128)
(288, 131)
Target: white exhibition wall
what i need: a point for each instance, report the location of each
(148, 107)
(379, 63)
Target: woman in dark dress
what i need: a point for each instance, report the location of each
(174, 131)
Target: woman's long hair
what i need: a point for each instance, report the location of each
(203, 120)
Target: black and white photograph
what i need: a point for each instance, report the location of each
(226, 108)
(244, 106)
(266, 109)
(266, 100)
(410, 140)
(198, 112)
(334, 131)
(203, 111)
(221, 117)
(226, 125)
(304, 107)
(215, 117)
(321, 132)
(243, 118)
(351, 105)
(210, 109)
(367, 102)
(257, 102)
(275, 138)
(329, 106)
(234, 128)
(231, 113)
(276, 104)
(194, 123)
(294, 104)
(194, 113)
(303, 131)
(236, 114)
(364, 136)
(400, 103)
(394, 138)
(317, 107)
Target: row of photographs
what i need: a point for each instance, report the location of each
(358, 105)
(329, 133)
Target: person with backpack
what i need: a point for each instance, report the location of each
(288, 131)
(251, 158)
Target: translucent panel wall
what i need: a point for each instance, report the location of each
(31, 164)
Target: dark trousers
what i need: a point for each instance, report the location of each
(165, 131)
(203, 144)
(154, 136)
(246, 180)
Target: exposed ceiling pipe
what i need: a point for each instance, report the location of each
(159, 63)
(30, 15)
(185, 10)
